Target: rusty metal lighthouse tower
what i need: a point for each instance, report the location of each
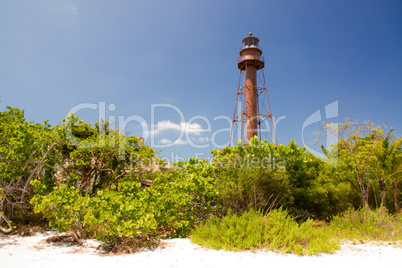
(252, 111)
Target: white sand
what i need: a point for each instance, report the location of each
(33, 251)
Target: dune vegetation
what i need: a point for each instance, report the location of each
(95, 182)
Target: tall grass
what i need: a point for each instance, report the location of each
(279, 232)
(367, 224)
(275, 231)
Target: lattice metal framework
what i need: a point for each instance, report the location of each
(252, 113)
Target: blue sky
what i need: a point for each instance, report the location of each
(168, 69)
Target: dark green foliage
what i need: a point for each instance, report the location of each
(328, 196)
(261, 176)
(250, 177)
(241, 189)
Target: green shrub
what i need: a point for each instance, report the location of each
(109, 215)
(275, 231)
(263, 175)
(368, 224)
(242, 189)
(186, 196)
(127, 214)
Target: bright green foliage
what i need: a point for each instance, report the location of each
(364, 156)
(368, 224)
(26, 152)
(64, 204)
(179, 199)
(86, 178)
(96, 191)
(186, 196)
(109, 215)
(275, 231)
(355, 152)
(232, 232)
(96, 156)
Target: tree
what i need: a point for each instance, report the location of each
(356, 153)
(394, 168)
(388, 167)
(26, 150)
(390, 158)
(261, 175)
(250, 177)
(96, 156)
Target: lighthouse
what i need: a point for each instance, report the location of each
(252, 109)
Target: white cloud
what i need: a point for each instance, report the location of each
(183, 127)
(165, 141)
(176, 142)
(203, 139)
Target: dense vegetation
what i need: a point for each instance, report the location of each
(275, 231)
(88, 179)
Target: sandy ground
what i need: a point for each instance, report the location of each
(34, 251)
